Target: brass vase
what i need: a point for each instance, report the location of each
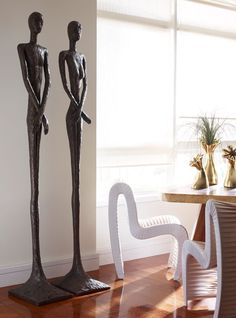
(201, 181)
(230, 178)
(210, 165)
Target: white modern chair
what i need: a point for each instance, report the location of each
(143, 229)
(209, 269)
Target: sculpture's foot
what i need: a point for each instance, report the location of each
(39, 292)
(80, 284)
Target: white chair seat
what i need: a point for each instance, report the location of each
(157, 220)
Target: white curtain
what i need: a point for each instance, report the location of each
(135, 80)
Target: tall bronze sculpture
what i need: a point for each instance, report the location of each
(76, 281)
(34, 65)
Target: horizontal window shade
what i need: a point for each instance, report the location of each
(135, 93)
(206, 75)
(120, 157)
(143, 179)
(229, 4)
(206, 16)
(151, 9)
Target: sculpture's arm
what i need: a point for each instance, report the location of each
(62, 58)
(45, 93)
(27, 83)
(84, 92)
(85, 117)
(47, 81)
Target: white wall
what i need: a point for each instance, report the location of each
(55, 178)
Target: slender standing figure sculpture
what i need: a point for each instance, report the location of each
(34, 65)
(76, 281)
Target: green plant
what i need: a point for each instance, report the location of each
(209, 129)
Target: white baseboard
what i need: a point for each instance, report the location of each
(13, 275)
(140, 250)
(19, 274)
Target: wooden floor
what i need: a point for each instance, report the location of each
(146, 292)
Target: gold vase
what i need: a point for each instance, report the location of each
(201, 181)
(210, 166)
(230, 178)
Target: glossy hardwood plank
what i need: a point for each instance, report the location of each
(146, 292)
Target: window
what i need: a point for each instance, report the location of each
(161, 63)
(205, 77)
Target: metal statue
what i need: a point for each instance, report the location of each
(76, 281)
(34, 66)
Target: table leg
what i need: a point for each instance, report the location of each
(199, 232)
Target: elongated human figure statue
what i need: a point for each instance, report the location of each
(76, 281)
(34, 66)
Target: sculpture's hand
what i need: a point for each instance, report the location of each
(75, 104)
(37, 125)
(42, 119)
(86, 118)
(35, 102)
(45, 124)
(76, 114)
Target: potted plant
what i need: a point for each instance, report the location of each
(208, 130)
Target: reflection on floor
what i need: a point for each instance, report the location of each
(146, 292)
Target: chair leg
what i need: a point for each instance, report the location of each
(115, 240)
(172, 261)
(178, 248)
(184, 277)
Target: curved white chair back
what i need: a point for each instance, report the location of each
(142, 229)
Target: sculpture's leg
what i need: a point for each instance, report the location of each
(36, 290)
(77, 281)
(34, 145)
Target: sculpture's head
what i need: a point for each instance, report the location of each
(74, 30)
(35, 22)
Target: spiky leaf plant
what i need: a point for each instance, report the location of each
(209, 129)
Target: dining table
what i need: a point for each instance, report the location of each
(185, 194)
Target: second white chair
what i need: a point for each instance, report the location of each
(209, 269)
(143, 229)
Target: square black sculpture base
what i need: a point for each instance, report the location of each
(79, 284)
(39, 292)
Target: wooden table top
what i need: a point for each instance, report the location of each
(186, 194)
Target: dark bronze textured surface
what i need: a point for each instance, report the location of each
(76, 281)
(34, 65)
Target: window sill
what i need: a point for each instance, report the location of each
(140, 197)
